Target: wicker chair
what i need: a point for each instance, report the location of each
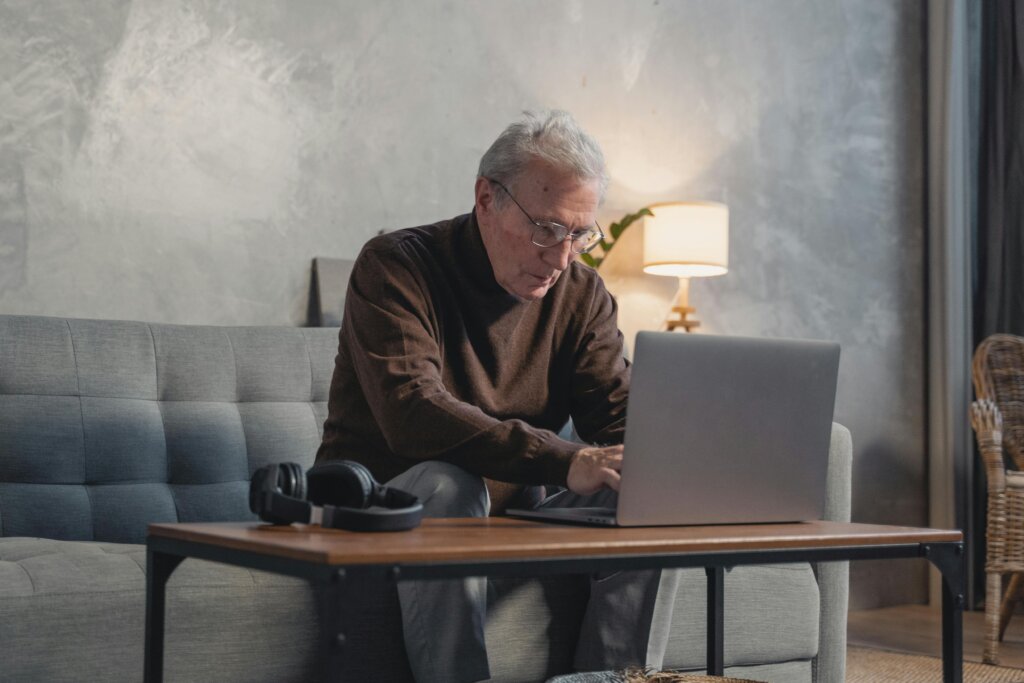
(998, 420)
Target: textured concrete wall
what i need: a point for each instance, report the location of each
(183, 161)
(806, 119)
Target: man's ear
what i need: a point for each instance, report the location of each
(484, 192)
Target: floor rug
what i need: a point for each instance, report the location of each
(864, 665)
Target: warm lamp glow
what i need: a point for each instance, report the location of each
(687, 239)
(684, 240)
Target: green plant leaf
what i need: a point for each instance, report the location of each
(589, 260)
(618, 228)
(615, 231)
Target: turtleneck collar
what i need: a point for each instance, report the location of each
(476, 261)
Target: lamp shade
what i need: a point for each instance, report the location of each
(687, 239)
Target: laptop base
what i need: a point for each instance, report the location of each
(586, 516)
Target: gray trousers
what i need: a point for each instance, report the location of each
(626, 623)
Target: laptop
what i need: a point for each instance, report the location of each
(721, 430)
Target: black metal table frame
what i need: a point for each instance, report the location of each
(163, 555)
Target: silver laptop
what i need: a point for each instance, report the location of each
(721, 430)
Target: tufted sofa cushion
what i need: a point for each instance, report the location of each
(109, 426)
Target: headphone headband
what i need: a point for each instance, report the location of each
(386, 519)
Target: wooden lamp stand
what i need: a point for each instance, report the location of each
(681, 311)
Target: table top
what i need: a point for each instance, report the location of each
(503, 538)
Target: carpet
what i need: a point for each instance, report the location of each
(864, 665)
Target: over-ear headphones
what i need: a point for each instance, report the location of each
(339, 494)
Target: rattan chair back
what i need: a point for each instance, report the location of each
(997, 417)
(999, 377)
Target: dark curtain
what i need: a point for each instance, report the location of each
(998, 245)
(999, 291)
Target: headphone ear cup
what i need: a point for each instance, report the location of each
(277, 494)
(341, 483)
(264, 480)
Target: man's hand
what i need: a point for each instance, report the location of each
(594, 468)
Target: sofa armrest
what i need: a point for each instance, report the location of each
(834, 577)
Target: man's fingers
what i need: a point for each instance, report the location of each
(594, 468)
(609, 456)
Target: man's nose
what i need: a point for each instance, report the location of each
(559, 255)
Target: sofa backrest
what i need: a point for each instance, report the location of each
(107, 426)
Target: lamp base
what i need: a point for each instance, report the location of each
(682, 321)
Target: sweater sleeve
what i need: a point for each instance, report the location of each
(601, 380)
(390, 330)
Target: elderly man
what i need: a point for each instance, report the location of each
(465, 346)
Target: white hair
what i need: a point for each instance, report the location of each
(552, 136)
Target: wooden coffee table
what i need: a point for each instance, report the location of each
(341, 562)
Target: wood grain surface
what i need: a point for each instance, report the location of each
(471, 539)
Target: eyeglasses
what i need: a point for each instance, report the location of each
(549, 234)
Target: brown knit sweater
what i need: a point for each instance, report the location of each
(437, 361)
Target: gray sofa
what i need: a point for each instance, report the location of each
(106, 426)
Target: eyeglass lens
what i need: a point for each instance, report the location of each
(549, 235)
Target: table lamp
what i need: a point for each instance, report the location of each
(684, 240)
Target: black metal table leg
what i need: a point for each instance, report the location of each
(159, 567)
(342, 591)
(949, 560)
(332, 631)
(716, 620)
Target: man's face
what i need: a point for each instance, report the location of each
(523, 269)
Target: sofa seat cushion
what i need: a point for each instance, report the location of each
(75, 611)
(771, 624)
(771, 615)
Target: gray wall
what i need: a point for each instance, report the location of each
(184, 161)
